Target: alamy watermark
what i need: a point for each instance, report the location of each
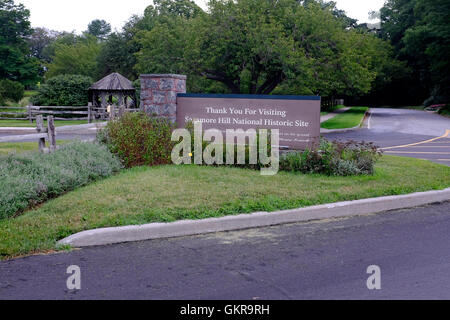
(374, 281)
(237, 144)
(74, 280)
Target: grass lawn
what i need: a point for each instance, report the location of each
(21, 147)
(349, 119)
(30, 93)
(27, 124)
(169, 193)
(445, 113)
(324, 113)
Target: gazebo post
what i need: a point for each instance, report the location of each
(103, 105)
(120, 96)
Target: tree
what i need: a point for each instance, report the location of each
(99, 29)
(15, 60)
(39, 40)
(161, 11)
(120, 49)
(428, 41)
(117, 55)
(420, 33)
(397, 16)
(339, 14)
(254, 46)
(78, 58)
(60, 38)
(39, 43)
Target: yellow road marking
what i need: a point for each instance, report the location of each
(440, 143)
(443, 141)
(447, 132)
(429, 146)
(420, 146)
(412, 152)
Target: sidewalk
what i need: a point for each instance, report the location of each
(333, 114)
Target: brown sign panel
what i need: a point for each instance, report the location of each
(296, 117)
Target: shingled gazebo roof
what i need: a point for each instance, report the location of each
(113, 82)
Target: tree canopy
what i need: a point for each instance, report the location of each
(99, 29)
(79, 57)
(16, 62)
(308, 47)
(254, 46)
(420, 33)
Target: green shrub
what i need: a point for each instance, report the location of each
(330, 158)
(333, 158)
(139, 139)
(226, 147)
(29, 179)
(445, 110)
(63, 90)
(11, 90)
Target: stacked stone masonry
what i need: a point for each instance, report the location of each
(159, 94)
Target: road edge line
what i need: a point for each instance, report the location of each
(106, 236)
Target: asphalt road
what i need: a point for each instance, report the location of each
(316, 260)
(402, 132)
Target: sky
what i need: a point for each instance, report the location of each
(65, 15)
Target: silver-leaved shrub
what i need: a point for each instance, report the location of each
(30, 179)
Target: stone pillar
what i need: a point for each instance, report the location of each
(159, 94)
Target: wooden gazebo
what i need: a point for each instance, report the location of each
(113, 90)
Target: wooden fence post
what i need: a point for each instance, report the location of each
(40, 129)
(89, 112)
(30, 114)
(40, 123)
(51, 133)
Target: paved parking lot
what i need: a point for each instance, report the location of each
(407, 133)
(436, 150)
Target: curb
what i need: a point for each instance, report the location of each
(259, 219)
(322, 130)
